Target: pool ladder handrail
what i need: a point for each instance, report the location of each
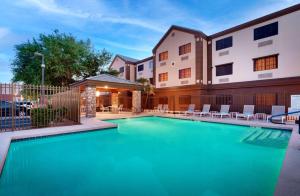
(286, 114)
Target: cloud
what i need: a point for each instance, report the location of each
(3, 32)
(50, 6)
(124, 46)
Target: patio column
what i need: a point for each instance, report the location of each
(90, 93)
(136, 101)
(114, 102)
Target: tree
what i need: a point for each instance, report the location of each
(66, 58)
(148, 88)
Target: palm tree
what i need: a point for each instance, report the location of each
(148, 88)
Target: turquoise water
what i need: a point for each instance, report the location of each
(148, 156)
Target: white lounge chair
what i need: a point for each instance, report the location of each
(158, 108)
(190, 110)
(277, 110)
(205, 110)
(165, 108)
(248, 112)
(224, 111)
(104, 109)
(120, 108)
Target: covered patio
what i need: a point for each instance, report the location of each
(107, 93)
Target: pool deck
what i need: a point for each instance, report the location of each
(289, 179)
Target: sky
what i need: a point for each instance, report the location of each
(127, 27)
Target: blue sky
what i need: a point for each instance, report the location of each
(128, 27)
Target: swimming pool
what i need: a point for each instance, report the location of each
(148, 156)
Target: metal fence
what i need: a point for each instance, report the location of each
(28, 106)
(263, 102)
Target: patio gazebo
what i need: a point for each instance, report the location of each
(92, 87)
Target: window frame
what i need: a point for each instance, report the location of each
(261, 35)
(221, 44)
(141, 65)
(160, 79)
(190, 73)
(121, 68)
(161, 56)
(218, 66)
(185, 49)
(265, 57)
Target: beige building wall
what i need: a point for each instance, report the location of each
(175, 63)
(117, 63)
(244, 49)
(148, 70)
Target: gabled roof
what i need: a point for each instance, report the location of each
(145, 59)
(111, 78)
(108, 80)
(126, 59)
(179, 28)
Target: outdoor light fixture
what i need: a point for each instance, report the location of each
(106, 87)
(97, 93)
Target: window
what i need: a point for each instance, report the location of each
(185, 99)
(163, 56)
(121, 69)
(184, 49)
(264, 102)
(266, 31)
(163, 100)
(185, 73)
(266, 63)
(224, 99)
(150, 65)
(224, 43)
(141, 67)
(163, 77)
(151, 80)
(223, 70)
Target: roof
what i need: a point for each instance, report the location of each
(179, 28)
(112, 79)
(145, 59)
(258, 20)
(127, 59)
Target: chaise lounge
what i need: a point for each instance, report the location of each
(205, 111)
(248, 112)
(224, 111)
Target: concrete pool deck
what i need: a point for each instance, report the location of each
(288, 181)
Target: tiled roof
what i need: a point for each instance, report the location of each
(127, 59)
(111, 78)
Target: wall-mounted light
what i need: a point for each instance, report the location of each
(106, 87)
(97, 93)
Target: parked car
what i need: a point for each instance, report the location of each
(18, 109)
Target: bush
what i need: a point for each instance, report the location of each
(42, 117)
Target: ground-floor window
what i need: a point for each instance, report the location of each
(163, 100)
(185, 99)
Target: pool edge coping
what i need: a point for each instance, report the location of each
(286, 175)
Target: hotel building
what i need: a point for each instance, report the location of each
(260, 58)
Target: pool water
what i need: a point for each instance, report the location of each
(148, 156)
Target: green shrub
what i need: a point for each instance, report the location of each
(42, 117)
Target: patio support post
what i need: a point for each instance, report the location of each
(90, 93)
(136, 101)
(114, 102)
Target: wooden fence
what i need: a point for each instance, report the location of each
(29, 106)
